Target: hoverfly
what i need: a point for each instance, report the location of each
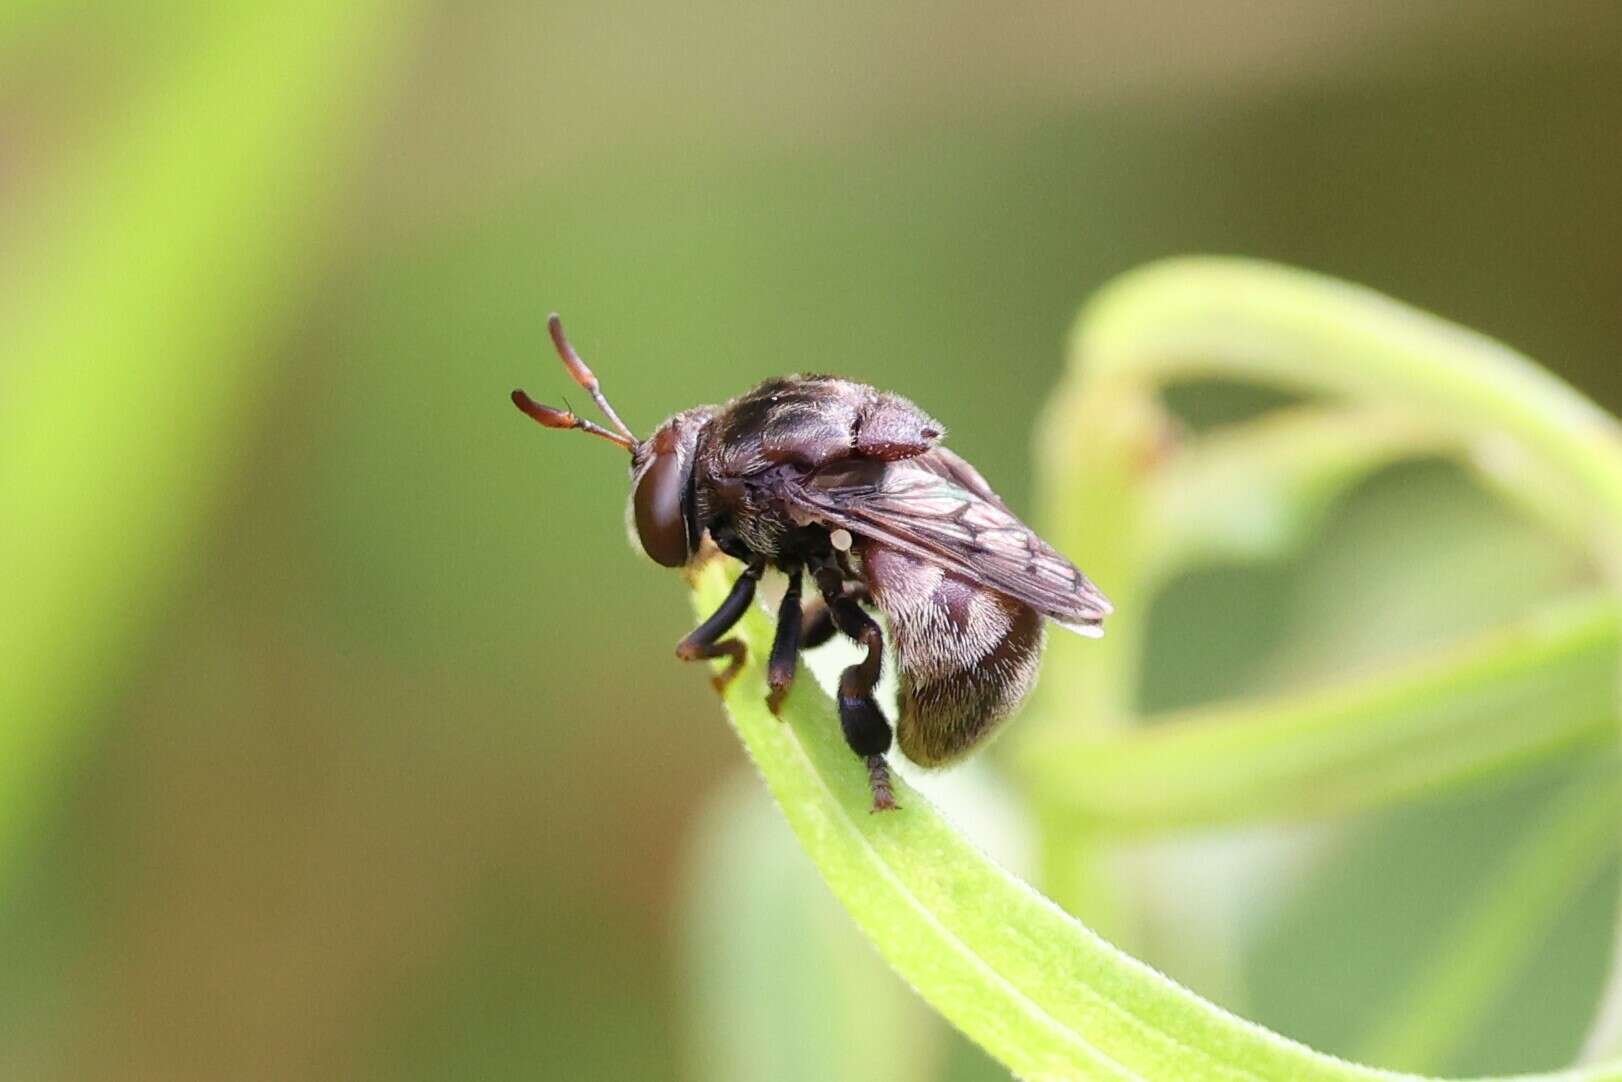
(828, 478)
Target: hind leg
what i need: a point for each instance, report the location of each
(866, 731)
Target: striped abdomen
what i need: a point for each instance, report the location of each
(967, 655)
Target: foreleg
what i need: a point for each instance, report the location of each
(705, 640)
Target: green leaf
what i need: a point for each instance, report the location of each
(1037, 989)
(1539, 686)
(135, 347)
(1259, 489)
(1522, 430)
(777, 982)
(1033, 986)
(1566, 847)
(1244, 319)
(1030, 984)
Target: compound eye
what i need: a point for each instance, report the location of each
(657, 509)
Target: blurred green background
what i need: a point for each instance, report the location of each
(343, 737)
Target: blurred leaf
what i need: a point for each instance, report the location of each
(1332, 954)
(1487, 945)
(1095, 450)
(138, 343)
(1245, 319)
(778, 983)
(1543, 684)
(1451, 392)
(1261, 488)
(1034, 987)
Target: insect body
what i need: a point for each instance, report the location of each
(832, 480)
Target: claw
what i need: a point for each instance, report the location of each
(878, 779)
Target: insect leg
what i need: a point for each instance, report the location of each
(705, 640)
(818, 625)
(866, 731)
(785, 645)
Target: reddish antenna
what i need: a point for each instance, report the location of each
(556, 418)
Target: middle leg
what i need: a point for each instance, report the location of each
(817, 625)
(785, 644)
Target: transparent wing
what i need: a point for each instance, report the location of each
(938, 508)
